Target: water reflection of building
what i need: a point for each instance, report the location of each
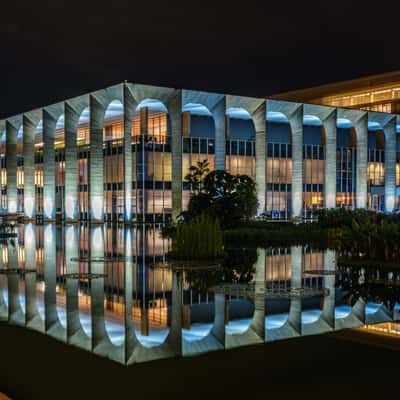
(141, 141)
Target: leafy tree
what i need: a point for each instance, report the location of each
(230, 198)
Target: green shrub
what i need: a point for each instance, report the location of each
(200, 238)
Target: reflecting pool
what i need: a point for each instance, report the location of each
(109, 289)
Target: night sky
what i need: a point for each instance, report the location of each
(52, 50)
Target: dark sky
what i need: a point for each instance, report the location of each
(51, 50)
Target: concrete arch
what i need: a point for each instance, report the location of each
(134, 94)
(326, 319)
(255, 333)
(75, 333)
(352, 319)
(387, 123)
(359, 120)
(292, 327)
(215, 337)
(172, 346)
(327, 116)
(75, 113)
(53, 325)
(99, 102)
(51, 115)
(293, 112)
(256, 108)
(103, 342)
(377, 313)
(216, 104)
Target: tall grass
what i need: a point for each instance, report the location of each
(200, 238)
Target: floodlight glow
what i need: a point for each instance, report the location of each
(311, 120)
(374, 126)
(389, 203)
(28, 235)
(196, 109)
(12, 206)
(70, 206)
(29, 206)
(278, 117)
(330, 200)
(152, 105)
(114, 109)
(97, 239)
(70, 236)
(238, 113)
(128, 206)
(344, 123)
(48, 207)
(97, 207)
(49, 234)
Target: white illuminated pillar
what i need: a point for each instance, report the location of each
(296, 125)
(175, 114)
(96, 168)
(361, 127)
(218, 113)
(11, 159)
(49, 164)
(71, 162)
(29, 128)
(260, 125)
(390, 165)
(330, 160)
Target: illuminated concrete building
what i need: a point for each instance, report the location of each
(121, 154)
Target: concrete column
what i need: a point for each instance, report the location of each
(296, 125)
(218, 114)
(49, 164)
(175, 115)
(29, 128)
(31, 308)
(75, 334)
(328, 309)
(294, 317)
(130, 336)
(330, 160)
(99, 333)
(361, 127)
(390, 165)
(141, 164)
(50, 275)
(218, 329)
(175, 331)
(71, 162)
(260, 125)
(258, 322)
(11, 160)
(15, 312)
(96, 173)
(129, 109)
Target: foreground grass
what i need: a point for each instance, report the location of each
(34, 366)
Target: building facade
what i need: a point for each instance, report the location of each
(121, 153)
